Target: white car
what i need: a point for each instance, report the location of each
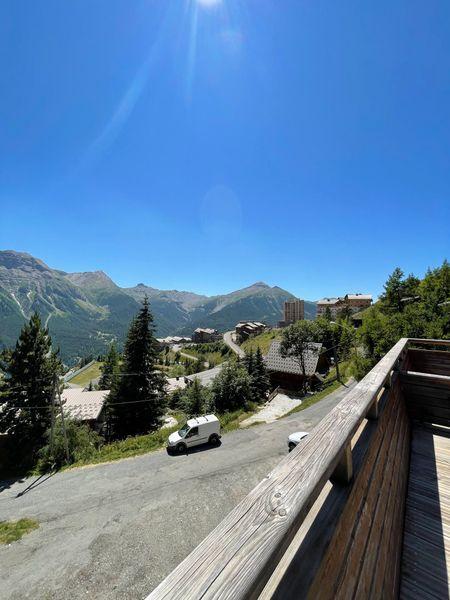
(201, 430)
(295, 438)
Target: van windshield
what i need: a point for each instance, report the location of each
(183, 431)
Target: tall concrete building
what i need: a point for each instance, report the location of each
(294, 310)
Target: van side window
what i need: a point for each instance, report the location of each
(192, 432)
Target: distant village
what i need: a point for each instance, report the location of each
(285, 373)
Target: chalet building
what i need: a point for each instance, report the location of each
(246, 329)
(354, 302)
(203, 336)
(287, 372)
(86, 407)
(173, 340)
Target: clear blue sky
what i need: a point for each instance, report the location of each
(205, 145)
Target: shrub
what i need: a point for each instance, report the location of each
(81, 440)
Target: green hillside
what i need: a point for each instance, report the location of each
(85, 312)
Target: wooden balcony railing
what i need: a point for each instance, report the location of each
(353, 535)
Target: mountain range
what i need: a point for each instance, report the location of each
(86, 311)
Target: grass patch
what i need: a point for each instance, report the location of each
(11, 531)
(132, 446)
(231, 420)
(344, 371)
(84, 378)
(262, 341)
(310, 400)
(214, 353)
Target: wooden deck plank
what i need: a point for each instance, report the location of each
(426, 544)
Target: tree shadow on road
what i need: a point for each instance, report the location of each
(5, 484)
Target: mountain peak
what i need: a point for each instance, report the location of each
(91, 279)
(11, 259)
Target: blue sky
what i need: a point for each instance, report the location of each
(205, 145)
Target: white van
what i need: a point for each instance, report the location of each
(201, 430)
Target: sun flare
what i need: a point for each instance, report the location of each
(208, 3)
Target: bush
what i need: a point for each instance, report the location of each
(196, 400)
(360, 366)
(81, 440)
(232, 388)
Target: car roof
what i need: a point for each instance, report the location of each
(200, 420)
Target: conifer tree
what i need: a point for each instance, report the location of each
(196, 399)
(248, 361)
(109, 369)
(31, 372)
(260, 377)
(137, 404)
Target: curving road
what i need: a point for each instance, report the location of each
(114, 531)
(228, 340)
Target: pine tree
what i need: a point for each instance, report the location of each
(248, 361)
(137, 404)
(196, 399)
(260, 376)
(109, 369)
(31, 373)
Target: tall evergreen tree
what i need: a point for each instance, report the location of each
(196, 399)
(31, 372)
(260, 376)
(137, 404)
(109, 369)
(248, 361)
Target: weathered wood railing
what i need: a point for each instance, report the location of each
(245, 555)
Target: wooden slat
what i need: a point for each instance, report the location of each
(360, 562)
(426, 548)
(329, 575)
(238, 557)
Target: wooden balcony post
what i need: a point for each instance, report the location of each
(343, 472)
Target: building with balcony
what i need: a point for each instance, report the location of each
(205, 335)
(352, 302)
(294, 310)
(246, 329)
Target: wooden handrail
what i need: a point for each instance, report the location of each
(428, 342)
(237, 558)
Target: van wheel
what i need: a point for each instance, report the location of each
(214, 439)
(181, 448)
(291, 446)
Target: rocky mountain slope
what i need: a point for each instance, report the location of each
(86, 311)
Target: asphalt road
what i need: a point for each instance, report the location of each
(115, 531)
(228, 340)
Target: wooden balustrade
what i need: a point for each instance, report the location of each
(251, 552)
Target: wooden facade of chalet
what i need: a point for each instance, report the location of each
(360, 509)
(287, 373)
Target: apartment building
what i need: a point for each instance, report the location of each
(294, 310)
(353, 302)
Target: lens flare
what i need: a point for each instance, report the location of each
(209, 3)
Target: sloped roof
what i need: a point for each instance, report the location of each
(275, 362)
(329, 301)
(206, 377)
(359, 297)
(83, 406)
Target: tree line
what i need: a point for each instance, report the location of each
(31, 384)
